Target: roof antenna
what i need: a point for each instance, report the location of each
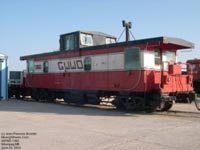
(127, 26)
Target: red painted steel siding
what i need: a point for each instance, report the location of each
(113, 81)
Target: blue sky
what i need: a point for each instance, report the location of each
(33, 26)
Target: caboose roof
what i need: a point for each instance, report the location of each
(180, 43)
(165, 43)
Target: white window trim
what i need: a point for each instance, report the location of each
(84, 36)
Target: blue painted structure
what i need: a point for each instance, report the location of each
(3, 77)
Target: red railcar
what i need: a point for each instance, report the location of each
(195, 70)
(139, 74)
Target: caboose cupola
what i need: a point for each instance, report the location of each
(75, 40)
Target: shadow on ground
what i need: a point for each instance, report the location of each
(61, 108)
(29, 106)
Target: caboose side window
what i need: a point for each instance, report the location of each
(157, 55)
(132, 58)
(86, 39)
(30, 66)
(69, 42)
(194, 67)
(87, 63)
(110, 40)
(45, 66)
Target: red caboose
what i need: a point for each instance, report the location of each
(139, 74)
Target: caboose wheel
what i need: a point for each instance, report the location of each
(193, 97)
(128, 103)
(166, 105)
(197, 103)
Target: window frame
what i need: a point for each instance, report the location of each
(157, 59)
(30, 66)
(109, 40)
(130, 62)
(45, 67)
(87, 66)
(69, 46)
(85, 36)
